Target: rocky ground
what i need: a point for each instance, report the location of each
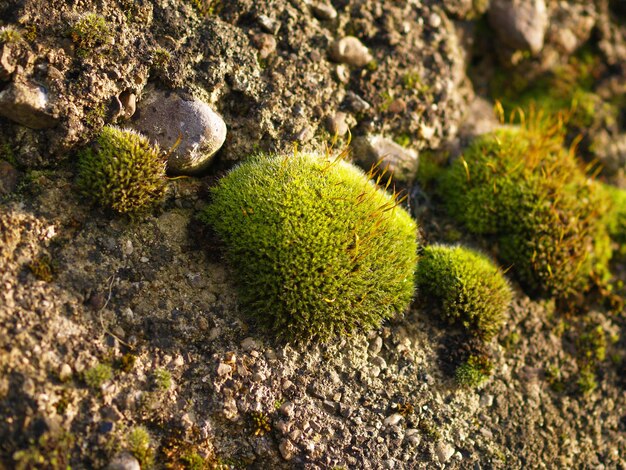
(121, 338)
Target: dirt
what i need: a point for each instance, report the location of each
(82, 287)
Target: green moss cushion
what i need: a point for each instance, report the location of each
(123, 172)
(544, 212)
(466, 287)
(319, 250)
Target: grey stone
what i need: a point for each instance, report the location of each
(9, 177)
(249, 344)
(393, 419)
(351, 51)
(7, 66)
(336, 124)
(223, 369)
(187, 127)
(520, 24)
(444, 451)
(124, 461)
(65, 373)
(26, 104)
(323, 11)
(375, 149)
(355, 103)
(287, 449)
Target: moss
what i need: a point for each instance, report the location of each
(48, 452)
(9, 34)
(554, 377)
(90, 33)
(207, 7)
(139, 444)
(127, 362)
(319, 249)
(466, 286)
(566, 92)
(403, 139)
(42, 268)
(616, 216)
(162, 379)
(429, 430)
(586, 380)
(261, 423)
(591, 345)
(474, 372)
(123, 172)
(522, 188)
(96, 376)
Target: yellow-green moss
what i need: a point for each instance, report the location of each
(466, 287)
(90, 33)
(521, 187)
(319, 249)
(474, 372)
(139, 444)
(123, 172)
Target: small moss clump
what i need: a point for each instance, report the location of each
(474, 372)
(162, 379)
(520, 186)
(98, 375)
(466, 286)
(123, 172)
(319, 249)
(89, 33)
(139, 444)
(9, 34)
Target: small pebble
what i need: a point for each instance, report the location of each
(324, 11)
(287, 409)
(268, 24)
(249, 344)
(65, 373)
(393, 419)
(287, 449)
(336, 124)
(223, 369)
(8, 178)
(265, 43)
(351, 51)
(124, 461)
(376, 345)
(444, 451)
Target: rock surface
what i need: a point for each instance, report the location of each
(521, 24)
(26, 104)
(378, 150)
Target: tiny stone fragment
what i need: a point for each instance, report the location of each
(351, 51)
(375, 149)
(124, 461)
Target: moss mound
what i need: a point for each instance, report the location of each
(123, 172)
(544, 212)
(319, 249)
(466, 286)
(616, 216)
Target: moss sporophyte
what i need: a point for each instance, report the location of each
(319, 249)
